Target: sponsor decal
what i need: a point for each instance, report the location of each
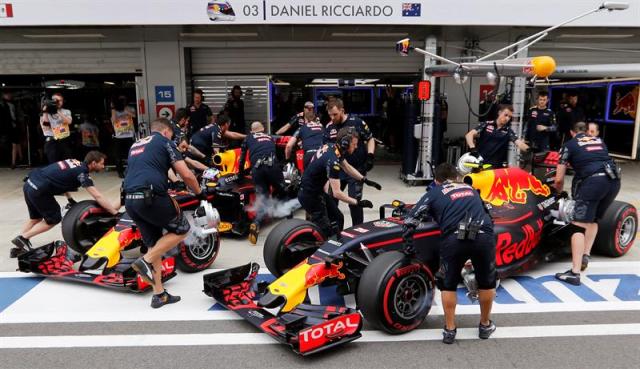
(361, 230)
(317, 273)
(509, 249)
(458, 195)
(348, 234)
(334, 242)
(137, 151)
(512, 185)
(334, 329)
(255, 314)
(594, 148)
(384, 224)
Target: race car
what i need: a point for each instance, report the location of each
(234, 197)
(394, 291)
(95, 242)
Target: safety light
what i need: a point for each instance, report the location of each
(424, 90)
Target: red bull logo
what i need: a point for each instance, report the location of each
(627, 104)
(509, 249)
(510, 185)
(318, 273)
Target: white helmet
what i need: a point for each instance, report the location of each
(206, 217)
(467, 159)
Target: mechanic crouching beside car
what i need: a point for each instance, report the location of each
(145, 191)
(467, 233)
(322, 177)
(595, 185)
(58, 178)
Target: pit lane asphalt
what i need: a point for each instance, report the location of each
(567, 352)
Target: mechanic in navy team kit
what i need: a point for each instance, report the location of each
(595, 185)
(569, 114)
(467, 233)
(310, 131)
(58, 178)
(298, 120)
(210, 138)
(361, 159)
(326, 167)
(541, 124)
(147, 202)
(265, 172)
(493, 139)
(200, 114)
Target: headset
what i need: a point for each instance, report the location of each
(345, 141)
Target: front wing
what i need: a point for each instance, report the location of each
(307, 329)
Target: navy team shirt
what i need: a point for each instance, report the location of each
(493, 143)
(311, 134)
(149, 161)
(260, 145)
(324, 165)
(450, 203)
(206, 137)
(359, 156)
(587, 155)
(60, 177)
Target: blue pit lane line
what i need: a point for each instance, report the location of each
(12, 289)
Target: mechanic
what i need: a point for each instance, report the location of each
(541, 124)
(123, 131)
(265, 171)
(180, 125)
(593, 129)
(320, 183)
(298, 120)
(568, 115)
(467, 233)
(310, 131)
(147, 202)
(493, 139)
(199, 113)
(209, 139)
(361, 159)
(595, 185)
(44, 183)
(55, 122)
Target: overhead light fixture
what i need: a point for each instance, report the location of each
(613, 5)
(600, 36)
(66, 84)
(370, 34)
(65, 35)
(109, 83)
(218, 34)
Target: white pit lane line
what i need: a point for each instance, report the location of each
(225, 339)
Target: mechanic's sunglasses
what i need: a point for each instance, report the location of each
(309, 107)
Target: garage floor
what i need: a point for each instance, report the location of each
(238, 251)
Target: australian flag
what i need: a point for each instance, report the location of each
(411, 9)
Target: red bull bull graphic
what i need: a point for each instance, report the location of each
(622, 102)
(318, 273)
(509, 185)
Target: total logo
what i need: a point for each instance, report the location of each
(331, 330)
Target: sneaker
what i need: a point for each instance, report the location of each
(144, 269)
(22, 245)
(570, 277)
(485, 331)
(449, 336)
(160, 300)
(585, 262)
(253, 233)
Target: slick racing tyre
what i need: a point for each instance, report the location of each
(84, 224)
(395, 292)
(290, 243)
(197, 253)
(617, 229)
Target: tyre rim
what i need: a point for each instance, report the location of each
(627, 231)
(202, 248)
(409, 297)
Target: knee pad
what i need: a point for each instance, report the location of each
(572, 229)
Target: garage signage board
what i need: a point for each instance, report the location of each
(404, 12)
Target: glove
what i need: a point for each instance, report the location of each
(202, 196)
(408, 229)
(474, 152)
(371, 183)
(71, 202)
(369, 163)
(365, 204)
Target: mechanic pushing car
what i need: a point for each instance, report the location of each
(147, 202)
(595, 185)
(541, 124)
(265, 171)
(310, 131)
(361, 159)
(327, 166)
(58, 178)
(298, 120)
(209, 138)
(493, 139)
(467, 233)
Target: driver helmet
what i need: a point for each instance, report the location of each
(211, 174)
(464, 159)
(220, 10)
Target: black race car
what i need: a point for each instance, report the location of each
(394, 292)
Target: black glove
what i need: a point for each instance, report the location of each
(202, 196)
(365, 204)
(371, 183)
(408, 229)
(369, 163)
(474, 152)
(71, 201)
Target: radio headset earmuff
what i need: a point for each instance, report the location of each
(345, 141)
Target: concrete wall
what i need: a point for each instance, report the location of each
(164, 66)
